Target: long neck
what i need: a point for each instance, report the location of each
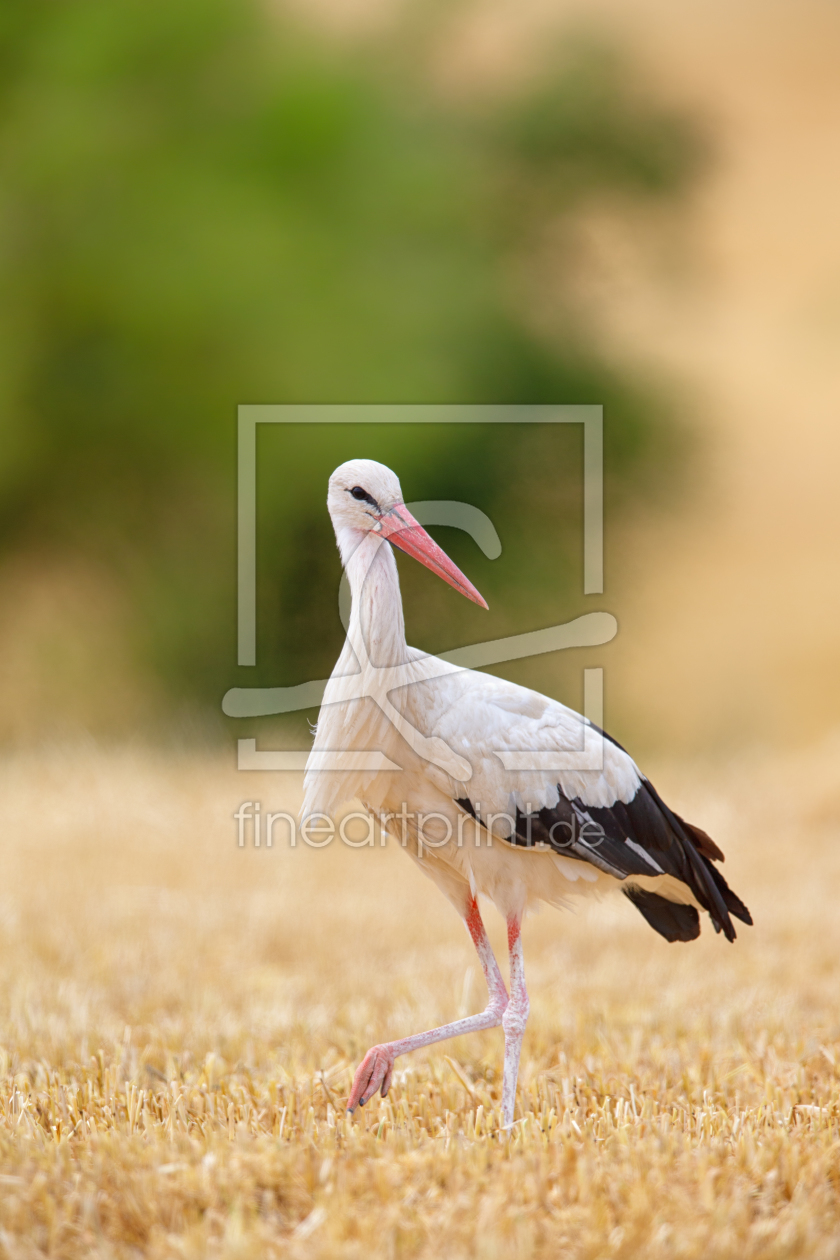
(377, 628)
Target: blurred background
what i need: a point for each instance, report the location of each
(212, 202)
(209, 202)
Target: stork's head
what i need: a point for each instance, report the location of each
(365, 497)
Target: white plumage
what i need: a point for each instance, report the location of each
(547, 831)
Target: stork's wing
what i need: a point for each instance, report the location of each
(612, 818)
(641, 837)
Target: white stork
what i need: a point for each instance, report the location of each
(517, 836)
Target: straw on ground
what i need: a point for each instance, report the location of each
(181, 1019)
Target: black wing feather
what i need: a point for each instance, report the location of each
(639, 837)
(673, 921)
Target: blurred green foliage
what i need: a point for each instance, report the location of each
(202, 205)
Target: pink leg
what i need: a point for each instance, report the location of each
(374, 1072)
(514, 1020)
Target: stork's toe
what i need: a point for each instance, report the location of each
(373, 1073)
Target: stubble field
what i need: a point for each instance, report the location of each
(180, 1019)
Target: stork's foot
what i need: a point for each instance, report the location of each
(372, 1074)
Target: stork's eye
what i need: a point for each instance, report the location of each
(358, 493)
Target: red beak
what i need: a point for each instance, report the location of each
(401, 530)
